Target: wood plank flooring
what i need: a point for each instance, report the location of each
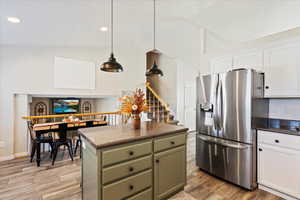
(22, 180)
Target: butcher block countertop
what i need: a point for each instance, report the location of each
(106, 136)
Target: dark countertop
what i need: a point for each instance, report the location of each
(106, 136)
(279, 130)
(283, 126)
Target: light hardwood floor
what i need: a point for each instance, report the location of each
(20, 180)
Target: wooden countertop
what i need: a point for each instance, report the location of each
(112, 135)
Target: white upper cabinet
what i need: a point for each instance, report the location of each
(282, 67)
(223, 64)
(252, 59)
(280, 63)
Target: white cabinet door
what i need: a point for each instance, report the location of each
(278, 168)
(249, 60)
(282, 71)
(219, 65)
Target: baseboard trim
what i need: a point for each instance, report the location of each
(5, 158)
(21, 155)
(277, 193)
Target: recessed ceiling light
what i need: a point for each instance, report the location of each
(103, 29)
(13, 20)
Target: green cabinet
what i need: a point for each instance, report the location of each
(90, 171)
(148, 169)
(169, 172)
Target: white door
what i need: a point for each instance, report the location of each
(190, 107)
(277, 169)
(282, 71)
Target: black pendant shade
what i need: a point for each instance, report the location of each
(154, 70)
(112, 65)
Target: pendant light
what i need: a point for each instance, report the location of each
(154, 70)
(112, 65)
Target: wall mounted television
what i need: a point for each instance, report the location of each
(66, 106)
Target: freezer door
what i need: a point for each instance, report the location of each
(234, 106)
(206, 120)
(232, 161)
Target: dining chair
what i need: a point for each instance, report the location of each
(62, 140)
(35, 141)
(78, 144)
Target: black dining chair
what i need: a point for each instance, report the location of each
(78, 144)
(35, 141)
(62, 140)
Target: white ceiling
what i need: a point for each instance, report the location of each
(76, 22)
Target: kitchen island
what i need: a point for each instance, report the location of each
(119, 162)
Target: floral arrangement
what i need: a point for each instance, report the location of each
(134, 104)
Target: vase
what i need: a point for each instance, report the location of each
(136, 121)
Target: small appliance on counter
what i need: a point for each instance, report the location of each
(228, 106)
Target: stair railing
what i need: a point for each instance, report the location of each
(157, 103)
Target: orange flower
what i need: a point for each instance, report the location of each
(134, 104)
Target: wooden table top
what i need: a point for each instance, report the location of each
(55, 125)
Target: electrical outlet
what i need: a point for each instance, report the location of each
(2, 144)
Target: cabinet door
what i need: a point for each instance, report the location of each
(169, 172)
(220, 65)
(282, 71)
(278, 168)
(249, 60)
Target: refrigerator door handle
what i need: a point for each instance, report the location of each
(219, 105)
(235, 146)
(216, 110)
(223, 143)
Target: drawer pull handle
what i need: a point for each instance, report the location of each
(172, 142)
(131, 153)
(277, 141)
(131, 169)
(131, 187)
(157, 161)
(260, 149)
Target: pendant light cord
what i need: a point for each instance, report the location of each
(112, 24)
(154, 24)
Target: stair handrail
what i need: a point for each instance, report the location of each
(158, 97)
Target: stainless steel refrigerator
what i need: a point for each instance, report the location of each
(229, 105)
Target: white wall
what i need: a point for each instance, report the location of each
(285, 109)
(29, 70)
(109, 104)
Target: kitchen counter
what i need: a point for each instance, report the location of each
(281, 130)
(112, 135)
(290, 127)
(119, 162)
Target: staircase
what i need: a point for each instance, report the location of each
(159, 110)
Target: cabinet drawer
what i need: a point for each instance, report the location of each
(169, 142)
(127, 187)
(279, 139)
(145, 195)
(128, 152)
(126, 169)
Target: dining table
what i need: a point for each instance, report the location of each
(61, 129)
